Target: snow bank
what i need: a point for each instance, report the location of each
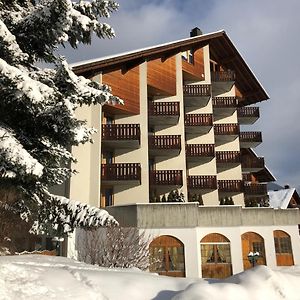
(45, 277)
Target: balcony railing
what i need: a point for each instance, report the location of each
(197, 90)
(226, 129)
(225, 157)
(198, 120)
(230, 186)
(164, 142)
(223, 75)
(163, 108)
(166, 177)
(119, 132)
(251, 136)
(224, 102)
(255, 189)
(253, 163)
(248, 112)
(122, 171)
(202, 182)
(202, 150)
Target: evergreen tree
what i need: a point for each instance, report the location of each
(38, 126)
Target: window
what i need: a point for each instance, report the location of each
(259, 247)
(215, 253)
(167, 256)
(282, 243)
(108, 197)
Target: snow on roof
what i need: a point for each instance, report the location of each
(84, 62)
(281, 198)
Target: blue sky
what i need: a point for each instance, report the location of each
(266, 32)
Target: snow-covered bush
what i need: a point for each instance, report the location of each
(114, 247)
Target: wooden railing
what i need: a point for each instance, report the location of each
(204, 150)
(247, 112)
(226, 129)
(202, 182)
(230, 185)
(122, 171)
(166, 177)
(250, 136)
(223, 75)
(223, 102)
(165, 142)
(198, 120)
(121, 132)
(228, 157)
(255, 162)
(197, 90)
(163, 108)
(255, 189)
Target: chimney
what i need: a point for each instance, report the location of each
(195, 31)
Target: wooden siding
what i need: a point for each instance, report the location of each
(161, 77)
(196, 69)
(125, 86)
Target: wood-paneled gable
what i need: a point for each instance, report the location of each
(161, 77)
(125, 86)
(195, 70)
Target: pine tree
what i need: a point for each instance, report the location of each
(38, 126)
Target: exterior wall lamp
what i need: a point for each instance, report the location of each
(253, 257)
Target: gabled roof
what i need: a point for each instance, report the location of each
(222, 50)
(281, 198)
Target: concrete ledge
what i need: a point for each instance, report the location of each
(180, 215)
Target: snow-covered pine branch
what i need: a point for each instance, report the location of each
(38, 125)
(59, 216)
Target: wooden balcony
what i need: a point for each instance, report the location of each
(166, 178)
(121, 174)
(255, 189)
(250, 139)
(202, 182)
(201, 153)
(121, 135)
(225, 133)
(247, 115)
(163, 113)
(164, 145)
(222, 81)
(252, 164)
(198, 123)
(227, 159)
(230, 186)
(196, 95)
(224, 106)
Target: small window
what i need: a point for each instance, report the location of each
(283, 245)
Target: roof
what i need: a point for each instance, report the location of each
(222, 50)
(281, 198)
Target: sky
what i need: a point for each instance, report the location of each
(266, 34)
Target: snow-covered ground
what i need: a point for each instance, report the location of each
(46, 277)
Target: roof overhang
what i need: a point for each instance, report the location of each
(222, 50)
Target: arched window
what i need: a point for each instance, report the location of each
(215, 256)
(167, 256)
(253, 242)
(283, 248)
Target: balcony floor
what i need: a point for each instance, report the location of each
(163, 120)
(221, 87)
(196, 101)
